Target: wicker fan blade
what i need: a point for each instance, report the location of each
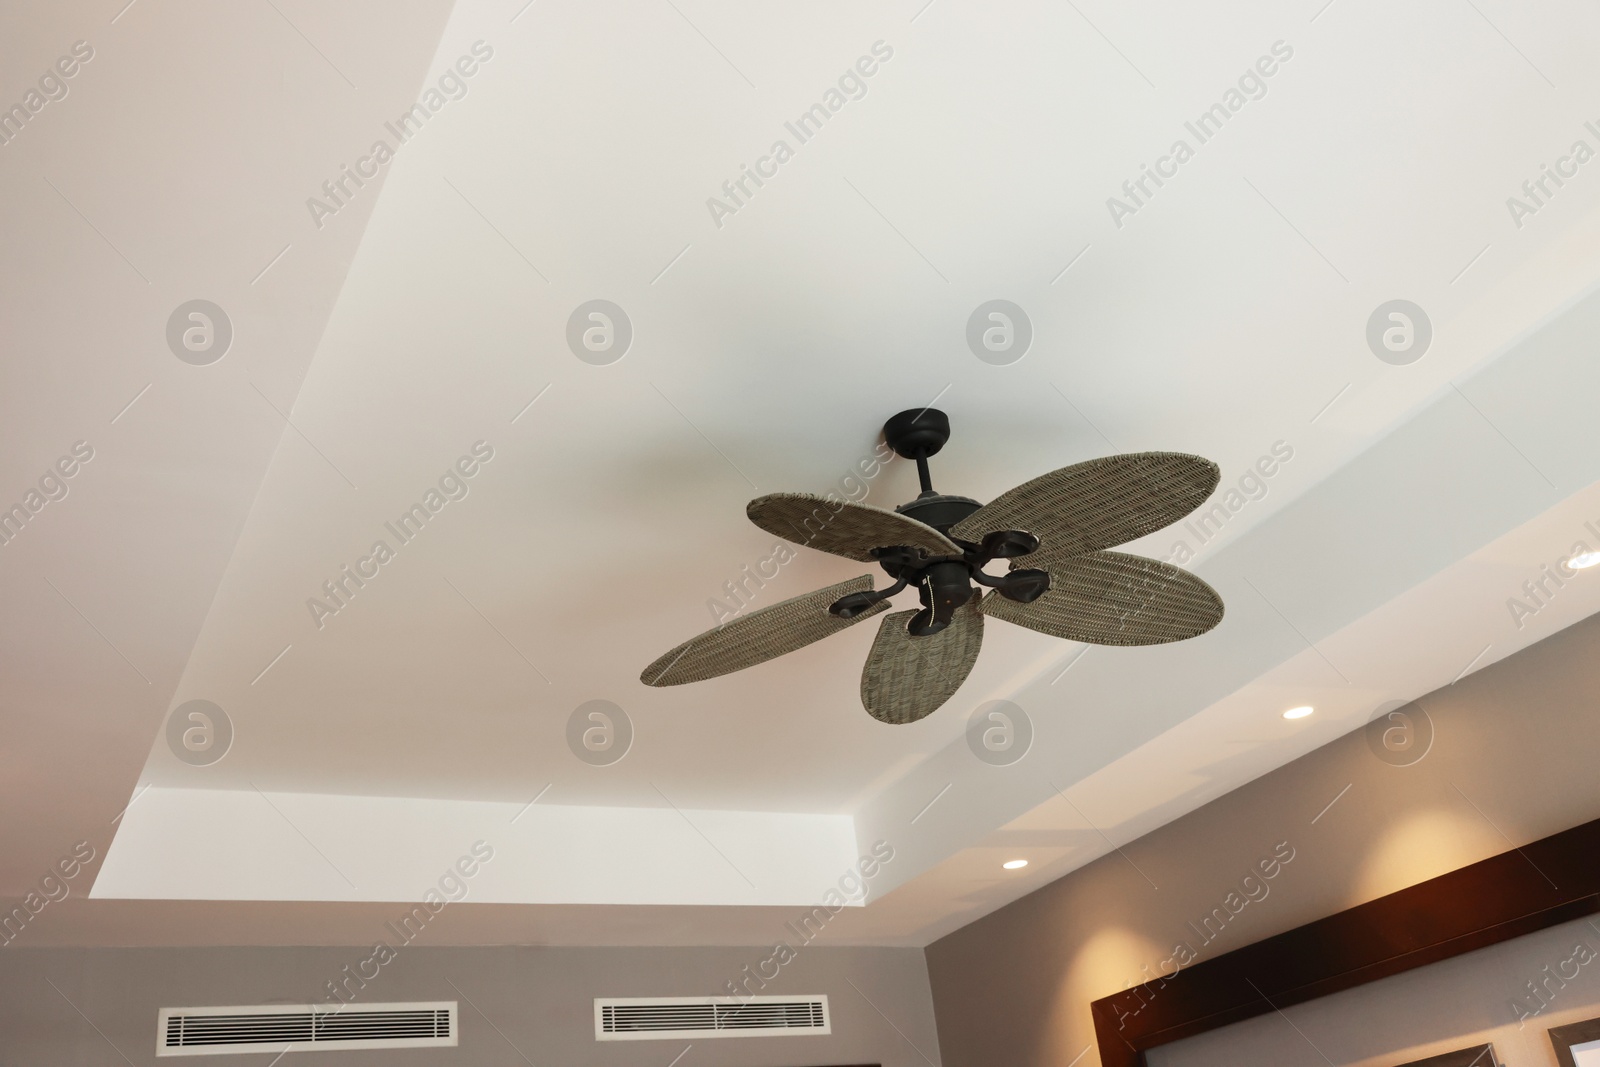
(1098, 504)
(1112, 598)
(758, 636)
(843, 528)
(908, 678)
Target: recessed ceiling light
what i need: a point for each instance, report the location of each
(1012, 865)
(1299, 713)
(1584, 560)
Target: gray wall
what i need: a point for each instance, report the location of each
(1513, 760)
(540, 998)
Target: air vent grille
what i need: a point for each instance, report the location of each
(660, 1018)
(304, 1028)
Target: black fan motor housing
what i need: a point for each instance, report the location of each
(938, 510)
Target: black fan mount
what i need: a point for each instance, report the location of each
(943, 582)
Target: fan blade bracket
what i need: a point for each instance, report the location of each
(1007, 544)
(1100, 503)
(1024, 585)
(1112, 598)
(852, 604)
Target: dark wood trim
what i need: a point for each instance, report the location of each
(1476, 1056)
(1564, 1037)
(1548, 882)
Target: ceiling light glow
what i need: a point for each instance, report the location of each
(1299, 713)
(1012, 865)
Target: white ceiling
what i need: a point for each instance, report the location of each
(1228, 315)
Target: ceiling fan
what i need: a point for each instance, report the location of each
(1054, 531)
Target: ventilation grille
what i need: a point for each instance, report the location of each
(661, 1018)
(304, 1028)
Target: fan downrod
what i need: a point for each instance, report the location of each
(916, 434)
